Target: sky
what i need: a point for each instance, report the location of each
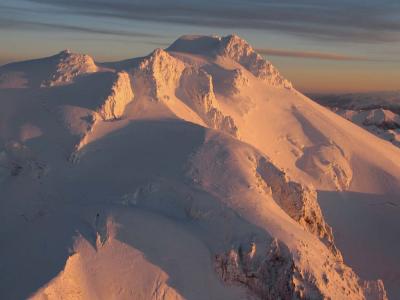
(319, 45)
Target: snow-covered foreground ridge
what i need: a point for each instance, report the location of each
(196, 172)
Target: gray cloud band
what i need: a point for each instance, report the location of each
(351, 20)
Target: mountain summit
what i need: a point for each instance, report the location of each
(231, 47)
(196, 172)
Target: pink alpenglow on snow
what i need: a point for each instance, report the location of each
(196, 172)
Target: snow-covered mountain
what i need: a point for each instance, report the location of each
(196, 172)
(378, 112)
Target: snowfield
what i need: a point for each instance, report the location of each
(196, 172)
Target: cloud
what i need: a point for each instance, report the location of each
(310, 55)
(346, 20)
(35, 25)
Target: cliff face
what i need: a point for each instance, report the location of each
(197, 91)
(161, 75)
(158, 75)
(269, 277)
(273, 274)
(298, 201)
(120, 95)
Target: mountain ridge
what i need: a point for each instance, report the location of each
(216, 146)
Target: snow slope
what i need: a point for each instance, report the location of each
(196, 172)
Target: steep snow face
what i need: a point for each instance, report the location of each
(120, 95)
(233, 82)
(158, 75)
(197, 91)
(162, 77)
(69, 66)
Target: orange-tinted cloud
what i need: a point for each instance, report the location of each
(311, 55)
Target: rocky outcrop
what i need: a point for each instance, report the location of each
(69, 66)
(268, 277)
(120, 95)
(274, 273)
(298, 201)
(196, 90)
(239, 50)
